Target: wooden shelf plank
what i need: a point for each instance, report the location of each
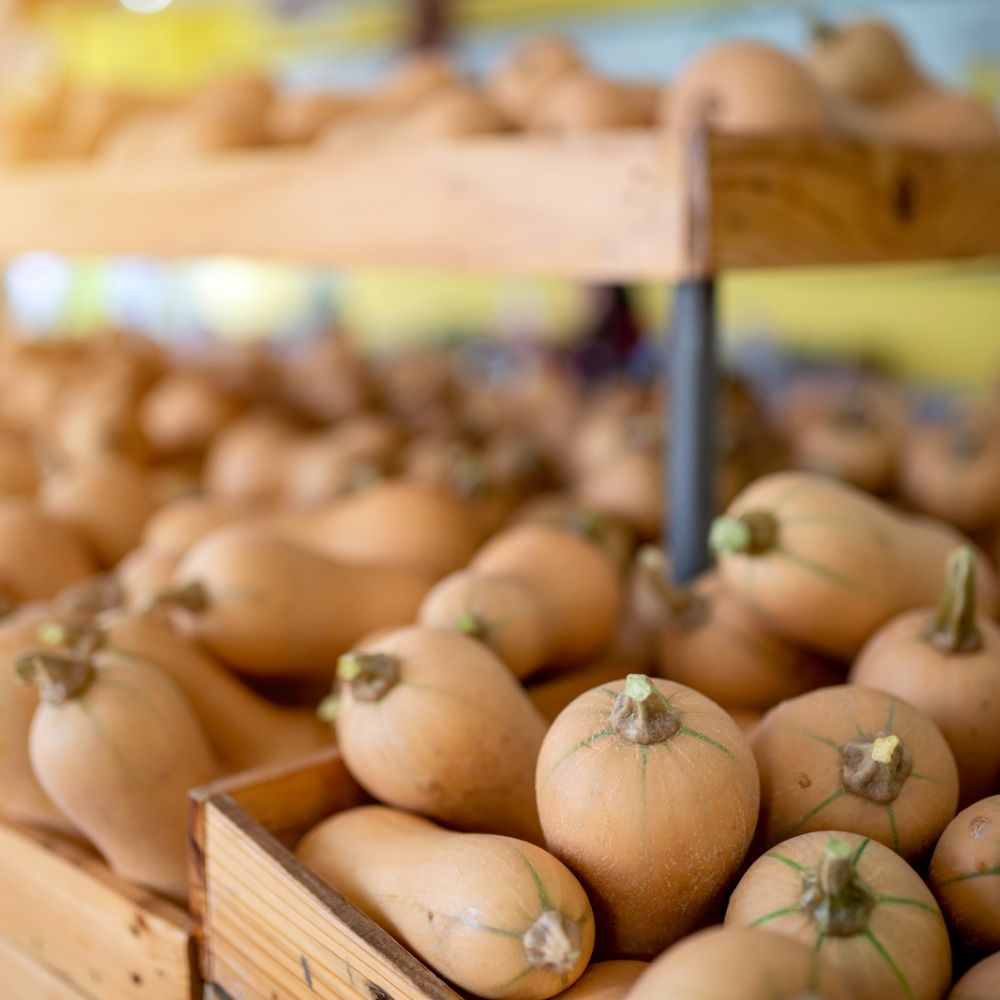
(612, 206)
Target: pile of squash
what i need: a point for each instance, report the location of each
(859, 80)
(781, 780)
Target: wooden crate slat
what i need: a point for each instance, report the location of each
(258, 892)
(24, 979)
(801, 201)
(595, 206)
(63, 909)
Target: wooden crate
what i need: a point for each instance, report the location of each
(69, 928)
(270, 928)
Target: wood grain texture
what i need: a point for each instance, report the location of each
(64, 910)
(597, 205)
(801, 201)
(271, 927)
(24, 979)
(612, 206)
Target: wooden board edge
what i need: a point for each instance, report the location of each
(235, 783)
(403, 962)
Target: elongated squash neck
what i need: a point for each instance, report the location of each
(876, 767)
(641, 714)
(954, 628)
(370, 676)
(58, 678)
(552, 943)
(834, 895)
(751, 534)
(192, 597)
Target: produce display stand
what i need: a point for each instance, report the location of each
(606, 207)
(626, 206)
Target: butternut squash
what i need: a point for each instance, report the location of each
(667, 765)
(844, 758)
(145, 573)
(738, 963)
(39, 556)
(179, 524)
(432, 721)
(575, 584)
(981, 982)
(270, 608)
(19, 471)
(965, 874)
(825, 565)
(610, 980)
(244, 729)
(398, 524)
(500, 918)
(859, 905)
(520, 81)
(107, 501)
(22, 799)
(946, 662)
(183, 412)
(116, 747)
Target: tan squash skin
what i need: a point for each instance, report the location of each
(953, 472)
(981, 982)
(178, 525)
(825, 565)
(712, 642)
(244, 729)
(106, 501)
(550, 695)
(21, 797)
(273, 609)
(737, 963)
(606, 980)
(583, 101)
(575, 583)
(530, 70)
(748, 87)
(650, 871)
(19, 472)
(851, 446)
(451, 112)
(446, 731)
(946, 662)
(628, 486)
(845, 758)
(965, 874)
(118, 757)
(39, 556)
(245, 462)
(468, 904)
(498, 611)
(183, 412)
(146, 572)
(903, 923)
(938, 118)
(405, 525)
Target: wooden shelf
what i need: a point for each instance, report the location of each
(623, 206)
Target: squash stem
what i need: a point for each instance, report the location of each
(370, 675)
(552, 943)
(876, 767)
(955, 628)
(58, 678)
(652, 565)
(471, 625)
(834, 895)
(191, 597)
(751, 534)
(641, 714)
(79, 638)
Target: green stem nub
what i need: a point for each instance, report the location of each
(58, 678)
(641, 714)
(471, 625)
(955, 628)
(834, 895)
(370, 676)
(192, 597)
(679, 601)
(552, 943)
(876, 767)
(80, 639)
(750, 534)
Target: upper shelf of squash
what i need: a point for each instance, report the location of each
(751, 158)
